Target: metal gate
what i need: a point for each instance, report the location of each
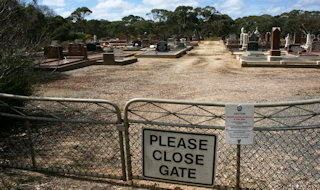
(85, 137)
(285, 153)
(62, 135)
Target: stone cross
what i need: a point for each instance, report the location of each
(275, 41)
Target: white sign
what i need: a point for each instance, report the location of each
(239, 123)
(179, 157)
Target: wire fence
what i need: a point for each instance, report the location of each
(285, 153)
(67, 136)
(88, 137)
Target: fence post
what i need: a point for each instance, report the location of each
(32, 154)
(120, 128)
(238, 165)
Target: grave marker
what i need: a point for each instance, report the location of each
(275, 41)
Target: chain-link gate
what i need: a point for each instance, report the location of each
(285, 153)
(67, 136)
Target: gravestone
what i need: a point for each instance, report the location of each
(145, 43)
(136, 43)
(245, 41)
(315, 46)
(91, 47)
(275, 42)
(253, 44)
(181, 46)
(77, 50)
(241, 36)
(297, 38)
(170, 43)
(162, 47)
(288, 42)
(108, 59)
(295, 49)
(53, 52)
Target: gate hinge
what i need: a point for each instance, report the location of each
(121, 127)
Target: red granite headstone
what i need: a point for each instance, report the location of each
(275, 42)
(77, 50)
(53, 52)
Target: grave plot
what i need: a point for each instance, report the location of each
(163, 50)
(111, 59)
(294, 55)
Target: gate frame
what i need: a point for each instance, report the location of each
(198, 103)
(118, 125)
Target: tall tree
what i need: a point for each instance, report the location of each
(78, 16)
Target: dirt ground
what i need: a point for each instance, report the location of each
(208, 73)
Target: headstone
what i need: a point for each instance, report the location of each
(162, 47)
(315, 46)
(180, 46)
(108, 59)
(94, 38)
(275, 42)
(308, 42)
(170, 43)
(295, 49)
(136, 43)
(241, 36)
(318, 37)
(145, 43)
(184, 41)
(77, 50)
(287, 41)
(91, 47)
(268, 37)
(253, 44)
(53, 52)
(245, 41)
(297, 38)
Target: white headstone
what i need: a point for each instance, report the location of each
(245, 41)
(309, 41)
(94, 38)
(287, 41)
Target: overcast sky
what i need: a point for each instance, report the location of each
(113, 10)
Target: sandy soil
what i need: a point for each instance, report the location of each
(207, 73)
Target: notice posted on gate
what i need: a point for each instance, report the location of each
(239, 123)
(179, 157)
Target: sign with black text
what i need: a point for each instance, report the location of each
(179, 157)
(239, 123)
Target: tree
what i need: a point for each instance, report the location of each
(78, 16)
(18, 45)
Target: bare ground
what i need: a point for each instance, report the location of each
(208, 73)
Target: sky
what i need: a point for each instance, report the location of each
(114, 10)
